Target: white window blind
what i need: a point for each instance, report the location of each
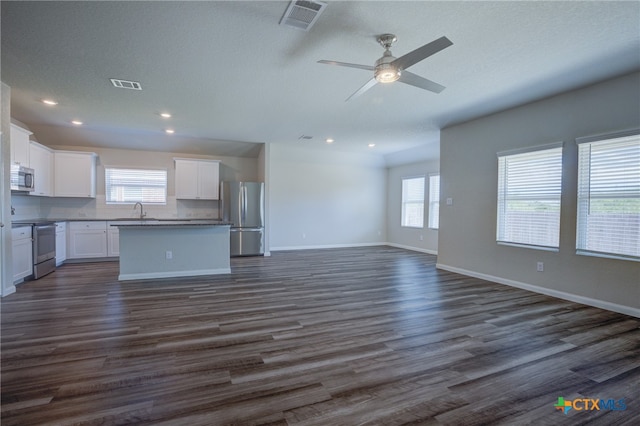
(128, 186)
(609, 196)
(434, 201)
(529, 190)
(413, 202)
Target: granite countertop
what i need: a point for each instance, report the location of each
(169, 222)
(126, 221)
(31, 222)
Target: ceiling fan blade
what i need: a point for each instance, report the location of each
(421, 82)
(413, 57)
(346, 64)
(368, 85)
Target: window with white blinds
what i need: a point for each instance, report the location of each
(434, 201)
(128, 186)
(413, 202)
(529, 190)
(609, 195)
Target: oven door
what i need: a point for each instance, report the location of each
(44, 242)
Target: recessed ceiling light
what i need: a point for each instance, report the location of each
(170, 131)
(76, 122)
(165, 115)
(329, 140)
(49, 102)
(371, 145)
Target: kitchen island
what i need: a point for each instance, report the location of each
(173, 248)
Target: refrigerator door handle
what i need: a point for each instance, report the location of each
(244, 204)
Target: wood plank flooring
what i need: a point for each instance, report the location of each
(357, 336)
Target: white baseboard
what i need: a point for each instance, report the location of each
(173, 274)
(328, 246)
(627, 310)
(421, 250)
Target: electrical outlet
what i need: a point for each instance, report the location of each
(540, 266)
(304, 235)
(421, 238)
(449, 201)
(169, 255)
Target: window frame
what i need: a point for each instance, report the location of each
(553, 196)
(141, 200)
(404, 203)
(433, 221)
(583, 200)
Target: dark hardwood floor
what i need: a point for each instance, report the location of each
(317, 337)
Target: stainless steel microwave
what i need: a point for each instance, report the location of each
(22, 178)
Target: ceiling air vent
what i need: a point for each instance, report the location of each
(126, 84)
(302, 14)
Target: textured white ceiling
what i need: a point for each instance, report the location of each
(232, 76)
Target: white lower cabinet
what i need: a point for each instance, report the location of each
(113, 241)
(87, 239)
(22, 252)
(61, 242)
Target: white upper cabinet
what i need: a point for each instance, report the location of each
(197, 179)
(20, 145)
(41, 161)
(74, 174)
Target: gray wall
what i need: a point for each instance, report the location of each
(468, 172)
(321, 198)
(402, 236)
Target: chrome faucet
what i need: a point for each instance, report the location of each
(142, 213)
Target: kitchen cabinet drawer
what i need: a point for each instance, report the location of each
(88, 225)
(20, 233)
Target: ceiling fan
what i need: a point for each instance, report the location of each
(388, 69)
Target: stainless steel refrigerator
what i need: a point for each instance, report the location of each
(242, 204)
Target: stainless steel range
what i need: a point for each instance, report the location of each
(44, 248)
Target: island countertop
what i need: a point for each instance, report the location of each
(167, 222)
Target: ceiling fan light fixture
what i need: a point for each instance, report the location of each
(385, 71)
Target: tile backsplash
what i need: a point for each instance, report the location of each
(32, 207)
